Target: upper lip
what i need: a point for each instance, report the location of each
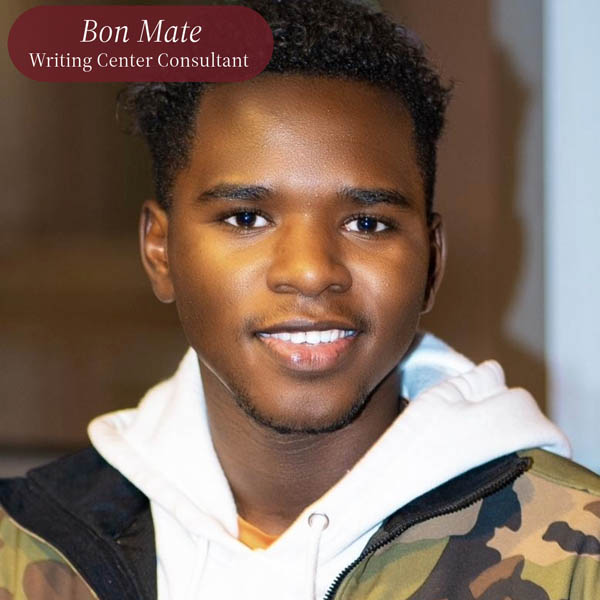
(292, 325)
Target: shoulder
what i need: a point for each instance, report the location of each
(66, 518)
(561, 500)
(562, 471)
(31, 568)
(553, 531)
(78, 485)
(532, 535)
(559, 503)
(542, 533)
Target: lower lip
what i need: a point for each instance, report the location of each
(309, 357)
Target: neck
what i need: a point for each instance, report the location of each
(275, 476)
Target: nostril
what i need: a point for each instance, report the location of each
(309, 278)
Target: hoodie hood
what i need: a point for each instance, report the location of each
(459, 416)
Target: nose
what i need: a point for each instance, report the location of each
(307, 260)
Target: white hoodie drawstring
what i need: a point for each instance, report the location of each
(317, 523)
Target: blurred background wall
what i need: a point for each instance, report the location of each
(572, 220)
(81, 333)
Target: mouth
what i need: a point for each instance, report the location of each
(308, 347)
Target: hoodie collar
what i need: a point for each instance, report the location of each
(164, 445)
(459, 417)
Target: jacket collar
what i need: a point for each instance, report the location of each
(102, 524)
(452, 496)
(92, 515)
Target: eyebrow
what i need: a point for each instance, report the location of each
(369, 197)
(235, 192)
(359, 196)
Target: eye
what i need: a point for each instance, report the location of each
(247, 219)
(365, 224)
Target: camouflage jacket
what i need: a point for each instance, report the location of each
(522, 527)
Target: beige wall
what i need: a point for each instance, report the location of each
(81, 332)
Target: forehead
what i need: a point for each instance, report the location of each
(303, 131)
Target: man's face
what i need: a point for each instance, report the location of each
(297, 247)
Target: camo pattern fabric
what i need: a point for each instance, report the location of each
(32, 570)
(537, 539)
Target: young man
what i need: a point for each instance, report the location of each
(294, 229)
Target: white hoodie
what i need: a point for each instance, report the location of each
(459, 417)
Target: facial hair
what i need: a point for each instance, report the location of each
(244, 401)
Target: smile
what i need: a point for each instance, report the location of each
(309, 350)
(310, 337)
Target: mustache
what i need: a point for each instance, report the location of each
(279, 314)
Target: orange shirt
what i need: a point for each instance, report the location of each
(253, 537)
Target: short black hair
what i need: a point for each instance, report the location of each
(321, 38)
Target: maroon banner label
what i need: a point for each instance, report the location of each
(140, 43)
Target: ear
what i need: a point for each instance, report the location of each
(437, 261)
(154, 228)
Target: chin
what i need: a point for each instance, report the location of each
(289, 420)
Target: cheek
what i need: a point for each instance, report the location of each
(396, 284)
(211, 286)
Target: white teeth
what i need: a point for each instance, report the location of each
(325, 337)
(311, 337)
(298, 337)
(286, 337)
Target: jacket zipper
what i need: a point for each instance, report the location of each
(46, 543)
(450, 508)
